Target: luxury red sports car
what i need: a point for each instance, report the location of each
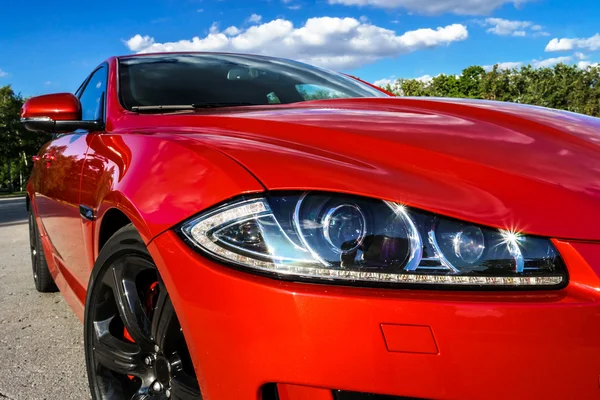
(243, 227)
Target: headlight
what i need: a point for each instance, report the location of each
(332, 237)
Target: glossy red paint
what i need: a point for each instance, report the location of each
(523, 345)
(58, 107)
(296, 392)
(491, 163)
(462, 159)
(58, 199)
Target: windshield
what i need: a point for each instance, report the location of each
(188, 79)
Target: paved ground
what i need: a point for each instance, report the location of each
(41, 340)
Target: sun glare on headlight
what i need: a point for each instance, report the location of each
(320, 236)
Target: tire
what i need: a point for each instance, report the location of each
(134, 346)
(44, 282)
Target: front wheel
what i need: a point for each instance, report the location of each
(41, 274)
(134, 345)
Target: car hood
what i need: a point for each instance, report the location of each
(509, 166)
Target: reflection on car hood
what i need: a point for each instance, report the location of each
(499, 164)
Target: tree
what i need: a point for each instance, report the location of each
(17, 145)
(444, 86)
(411, 87)
(470, 81)
(495, 85)
(565, 87)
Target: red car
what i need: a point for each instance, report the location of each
(244, 227)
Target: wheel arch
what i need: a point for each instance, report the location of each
(113, 220)
(115, 212)
(154, 182)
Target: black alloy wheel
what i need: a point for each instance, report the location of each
(41, 275)
(134, 345)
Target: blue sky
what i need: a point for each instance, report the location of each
(52, 46)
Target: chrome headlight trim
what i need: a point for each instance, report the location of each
(200, 233)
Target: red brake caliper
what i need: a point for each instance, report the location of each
(127, 336)
(149, 306)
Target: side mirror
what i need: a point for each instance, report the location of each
(60, 112)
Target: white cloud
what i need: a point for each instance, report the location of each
(232, 31)
(3, 73)
(214, 29)
(504, 65)
(255, 19)
(551, 61)
(510, 64)
(565, 44)
(384, 82)
(295, 7)
(326, 41)
(463, 7)
(560, 44)
(506, 27)
(426, 79)
(139, 42)
(586, 64)
(538, 31)
(580, 56)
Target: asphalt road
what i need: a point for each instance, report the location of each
(41, 340)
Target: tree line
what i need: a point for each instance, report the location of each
(565, 87)
(17, 145)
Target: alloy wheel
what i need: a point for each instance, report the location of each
(136, 347)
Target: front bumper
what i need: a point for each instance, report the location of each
(246, 331)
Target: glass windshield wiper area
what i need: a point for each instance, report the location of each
(177, 107)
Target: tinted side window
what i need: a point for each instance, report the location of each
(92, 98)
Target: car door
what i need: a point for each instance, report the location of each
(59, 198)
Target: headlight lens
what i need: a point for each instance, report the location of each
(321, 236)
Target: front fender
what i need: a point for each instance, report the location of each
(158, 180)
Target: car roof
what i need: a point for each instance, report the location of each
(200, 53)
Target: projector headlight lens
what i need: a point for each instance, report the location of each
(320, 236)
(344, 228)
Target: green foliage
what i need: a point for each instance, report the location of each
(469, 82)
(412, 87)
(565, 87)
(17, 145)
(445, 86)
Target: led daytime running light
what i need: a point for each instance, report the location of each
(201, 232)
